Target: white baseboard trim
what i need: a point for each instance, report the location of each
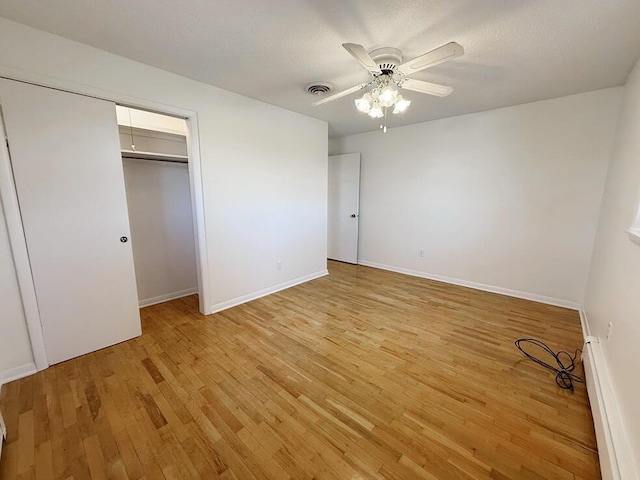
(478, 286)
(165, 298)
(17, 373)
(586, 330)
(616, 458)
(218, 307)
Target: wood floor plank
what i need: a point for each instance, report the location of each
(361, 374)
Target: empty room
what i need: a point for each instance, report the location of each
(320, 239)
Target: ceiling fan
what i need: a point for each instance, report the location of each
(386, 67)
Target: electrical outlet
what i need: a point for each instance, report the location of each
(278, 264)
(422, 252)
(609, 327)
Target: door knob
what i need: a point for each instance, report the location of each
(353, 215)
(124, 239)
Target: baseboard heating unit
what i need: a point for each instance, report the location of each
(616, 457)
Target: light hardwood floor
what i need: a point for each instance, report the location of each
(361, 374)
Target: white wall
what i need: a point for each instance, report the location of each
(613, 293)
(264, 168)
(15, 349)
(506, 200)
(162, 235)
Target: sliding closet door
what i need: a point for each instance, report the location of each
(65, 155)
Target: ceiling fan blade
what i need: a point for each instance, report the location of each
(434, 57)
(338, 95)
(426, 87)
(360, 54)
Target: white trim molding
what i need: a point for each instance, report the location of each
(21, 262)
(475, 285)
(197, 201)
(634, 234)
(616, 458)
(17, 373)
(218, 307)
(634, 229)
(586, 330)
(167, 297)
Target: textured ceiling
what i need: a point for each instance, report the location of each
(517, 51)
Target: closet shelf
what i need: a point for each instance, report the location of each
(162, 157)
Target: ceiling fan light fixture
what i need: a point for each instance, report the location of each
(389, 75)
(401, 105)
(376, 110)
(364, 104)
(387, 96)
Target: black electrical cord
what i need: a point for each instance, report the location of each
(566, 362)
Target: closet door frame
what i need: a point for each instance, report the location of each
(16, 233)
(195, 189)
(18, 243)
(197, 209)
(197, 202)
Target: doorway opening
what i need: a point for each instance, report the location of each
(160, 204)
(343, 210)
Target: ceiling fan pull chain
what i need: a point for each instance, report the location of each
(384, 130)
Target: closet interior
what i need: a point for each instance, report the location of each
(156, 174)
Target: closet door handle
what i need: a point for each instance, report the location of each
(124, 239)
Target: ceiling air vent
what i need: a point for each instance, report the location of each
(318, 88)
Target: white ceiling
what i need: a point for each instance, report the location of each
(517, 51)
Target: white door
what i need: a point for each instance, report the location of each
(343, 212)
(65, 155)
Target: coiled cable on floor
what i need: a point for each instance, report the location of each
(565, 361)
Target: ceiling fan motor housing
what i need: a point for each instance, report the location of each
(387, 58)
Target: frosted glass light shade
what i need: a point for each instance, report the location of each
(387, 96)
(376, 110)
(376, 101)
(401, 104)
(364, 104)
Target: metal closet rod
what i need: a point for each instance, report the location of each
(154, 157)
